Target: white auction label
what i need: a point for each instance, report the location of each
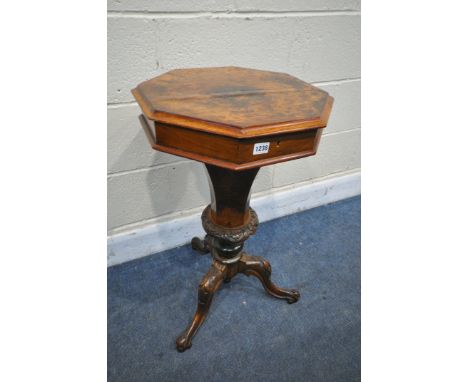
(261, 148)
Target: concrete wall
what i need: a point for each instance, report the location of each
(317, 41)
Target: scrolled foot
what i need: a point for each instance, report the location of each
(200, 245)
(206, 290)
(183, 343)
(294, 296)
(261, 268)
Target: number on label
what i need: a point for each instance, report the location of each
(261, 148)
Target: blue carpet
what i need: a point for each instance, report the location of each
(248, 335)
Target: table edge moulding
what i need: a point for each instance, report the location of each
(235, 121)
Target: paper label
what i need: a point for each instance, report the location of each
(261, 148)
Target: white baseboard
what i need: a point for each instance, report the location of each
(170, 233)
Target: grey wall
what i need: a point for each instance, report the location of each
(317, 41)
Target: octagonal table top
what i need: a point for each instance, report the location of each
(233, 101)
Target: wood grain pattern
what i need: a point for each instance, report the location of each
(222, 271)
(232, 101)
(217, 116)
(230, 195)
(227, 152)
(207, 147)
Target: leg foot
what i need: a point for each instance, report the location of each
(200, 245)
(261, 268)
(208, 286)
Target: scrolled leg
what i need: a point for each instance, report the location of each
(208, 286)
(261, 268)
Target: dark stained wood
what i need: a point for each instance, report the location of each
(230, 195)
(231, 153)
(232, 101)
(249, 265)
(231, 149)
(197, 143)
(206, 289)
(226, 246)
(217, 116)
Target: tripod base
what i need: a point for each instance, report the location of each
(224, 271)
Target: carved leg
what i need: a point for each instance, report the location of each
(208, 286)
(201, 245)
(260, 268)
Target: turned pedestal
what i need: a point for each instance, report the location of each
(228, 222)
(234, 120)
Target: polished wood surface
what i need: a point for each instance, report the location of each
(231, 153)
(223, 272)
(230, 195)
(219, 116)
(232, 101)
(228, 221)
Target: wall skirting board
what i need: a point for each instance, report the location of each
(176, 231)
